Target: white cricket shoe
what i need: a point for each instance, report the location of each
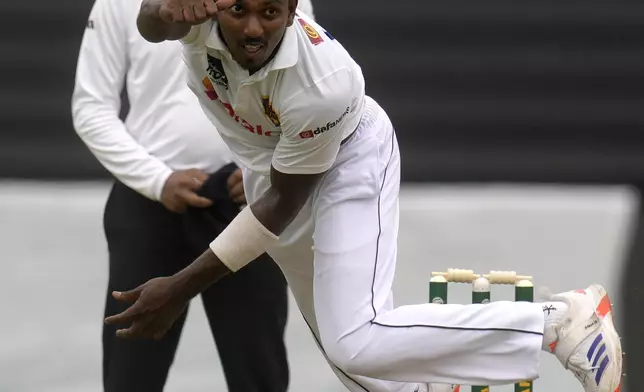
(587, 343)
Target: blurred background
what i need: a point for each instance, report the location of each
(521, 128)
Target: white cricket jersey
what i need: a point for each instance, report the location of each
(294, 112)
(166, 128)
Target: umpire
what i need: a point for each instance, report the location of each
(175, 189)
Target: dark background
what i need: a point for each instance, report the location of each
(479, 90)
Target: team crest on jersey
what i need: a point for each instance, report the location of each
(311, 32)
(270, 112)
(216, 72)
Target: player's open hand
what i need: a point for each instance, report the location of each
(191, 11)
(235, 187)
(179, 190)
(155, 307)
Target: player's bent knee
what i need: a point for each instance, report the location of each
(351, 355)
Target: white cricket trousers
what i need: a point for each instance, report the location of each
(339, 257)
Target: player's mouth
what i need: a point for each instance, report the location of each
(252, 49)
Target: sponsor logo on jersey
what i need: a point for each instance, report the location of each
(270, 112)
(311, 32)
(212, 94)
(216, 72)
(320, 130)
(210, 90)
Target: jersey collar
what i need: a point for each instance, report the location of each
(286, 57)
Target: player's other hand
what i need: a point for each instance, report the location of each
(236, 187)
(191, 11)
(155, 307)
(179, 190)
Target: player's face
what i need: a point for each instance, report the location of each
(253, 29)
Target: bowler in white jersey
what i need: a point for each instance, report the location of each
(321, 174)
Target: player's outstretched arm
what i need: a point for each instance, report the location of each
(251, 233)
(159, 302)
(309, 145)
(161, 20)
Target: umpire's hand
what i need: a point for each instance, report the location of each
(236, 187)
(179, 190)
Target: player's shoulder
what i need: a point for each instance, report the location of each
(317, 47)
(322, 60)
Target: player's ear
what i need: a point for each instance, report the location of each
(292, 7)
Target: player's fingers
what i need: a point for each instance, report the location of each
(212, 6)
(128, 296)
(136, 330)
(189, 14)
(127, 316)
(171, 14)
(194, 200)
(225, 4)
(200, 12)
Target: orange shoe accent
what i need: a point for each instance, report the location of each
(458, 389)
(619, 387)
(604, 307)
(553, 346)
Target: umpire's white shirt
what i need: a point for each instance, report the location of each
(165, 129)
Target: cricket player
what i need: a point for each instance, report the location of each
(321, 169)
(174, 189)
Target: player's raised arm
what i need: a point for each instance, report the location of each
(161, 20)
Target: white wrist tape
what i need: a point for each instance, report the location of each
(242, 241)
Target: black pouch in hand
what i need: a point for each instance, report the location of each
(202, 225)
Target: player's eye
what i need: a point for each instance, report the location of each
(271, 12)
(236, 9)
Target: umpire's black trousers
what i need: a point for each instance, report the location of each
(246, 311)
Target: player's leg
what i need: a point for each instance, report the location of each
(247, 313)
(144, 242)
(297, 263)
(356, 219)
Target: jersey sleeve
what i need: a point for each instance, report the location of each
(313, 126)
(100, 73)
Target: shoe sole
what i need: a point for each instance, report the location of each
(604, 310)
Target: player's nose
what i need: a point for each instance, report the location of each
(253, 28)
